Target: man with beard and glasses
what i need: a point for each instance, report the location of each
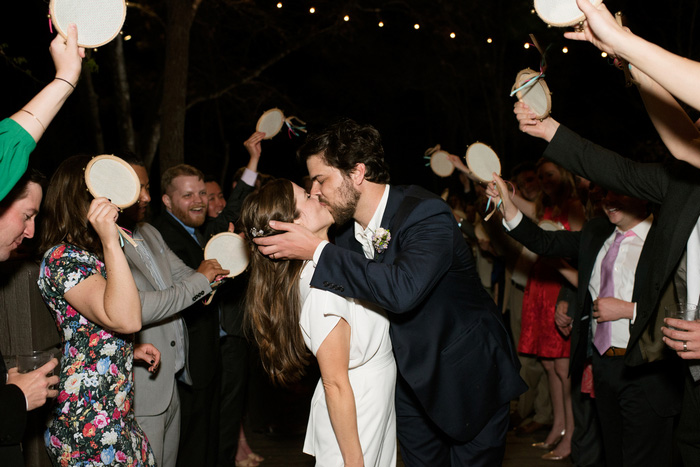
(166, 286)
(405, 253)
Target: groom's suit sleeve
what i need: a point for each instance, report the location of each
(425, 250)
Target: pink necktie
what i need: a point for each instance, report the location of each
(603, 332)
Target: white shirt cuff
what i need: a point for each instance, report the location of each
(514, 222)
(319, 249)
(249, 177)
(634, 313)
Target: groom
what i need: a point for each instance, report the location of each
(404, 252)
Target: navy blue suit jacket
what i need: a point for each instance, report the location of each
(450, 343)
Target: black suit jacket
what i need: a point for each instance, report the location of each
(13, 419)
(663, 388)
(673, 186)
(450, 343)
(202, 321)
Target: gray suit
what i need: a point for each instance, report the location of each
(156, 402)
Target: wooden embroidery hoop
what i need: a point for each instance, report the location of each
(482, 161)
(111, 177)
(230, 250)
(561, 13)
(536, 96)
(98, 21)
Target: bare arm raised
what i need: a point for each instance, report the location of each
(601, 29)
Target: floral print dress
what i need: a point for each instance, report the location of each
(93, 423)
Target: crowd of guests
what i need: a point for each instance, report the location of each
(393, 306)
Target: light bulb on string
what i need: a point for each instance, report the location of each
(312, 10)
(453, 35)
(381, 24)
(604, 54)
(346, 18)
(489, 40)
(527, 45)
(127, 37)
(565, 50)
(416, 26)
(279, 5)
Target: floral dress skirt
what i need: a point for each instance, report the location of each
(93, 422)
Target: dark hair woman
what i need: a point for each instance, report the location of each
(86, 282)
(352, 420)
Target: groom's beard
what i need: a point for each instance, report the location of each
(344, 209)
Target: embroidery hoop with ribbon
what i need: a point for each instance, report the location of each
(98, 21)
(439, 161)
(271, 122)
(531, 88)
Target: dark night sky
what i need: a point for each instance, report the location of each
(419, 88)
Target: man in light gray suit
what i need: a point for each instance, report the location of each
(166, 286)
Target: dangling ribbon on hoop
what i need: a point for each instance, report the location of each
(500, 201)
(291, 128)
(429, 152)
(543, 68)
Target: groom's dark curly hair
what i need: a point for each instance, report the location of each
(345, 144)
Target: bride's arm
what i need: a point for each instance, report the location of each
(333, 358)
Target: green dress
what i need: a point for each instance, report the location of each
(15, 146)
(93, 422)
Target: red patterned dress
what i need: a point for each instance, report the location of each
(539, 335)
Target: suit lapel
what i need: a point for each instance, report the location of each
(135, 260)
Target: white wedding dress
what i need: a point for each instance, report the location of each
(372, 371)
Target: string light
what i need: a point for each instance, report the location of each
(312, 10)
(489, 40)
(346, 18)
(604, 54)
(381, 24)
(453, 35)
(127, 37)
(416, 26)
(527, 46)
(565, 50)
(279, 5)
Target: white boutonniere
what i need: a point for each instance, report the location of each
(380, 239)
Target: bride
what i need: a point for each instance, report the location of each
(352, 420)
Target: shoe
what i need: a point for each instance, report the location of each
(550, 456)
(247, 462)
(549, 446)
(256, 457)
(531, 428)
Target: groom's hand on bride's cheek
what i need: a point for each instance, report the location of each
(296, 242)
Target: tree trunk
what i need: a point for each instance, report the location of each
(93, 107)
(174, 104)
(122, 95)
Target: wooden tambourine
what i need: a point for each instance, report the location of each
(550, 226)
(230, 250)
(111, 177)
(482, 161)
(534, 92)
(440, 164)
(98, 21)
(561, 13)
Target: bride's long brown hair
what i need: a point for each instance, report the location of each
(273, 301)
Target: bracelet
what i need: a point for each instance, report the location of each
(66, 81)
(37, 120)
